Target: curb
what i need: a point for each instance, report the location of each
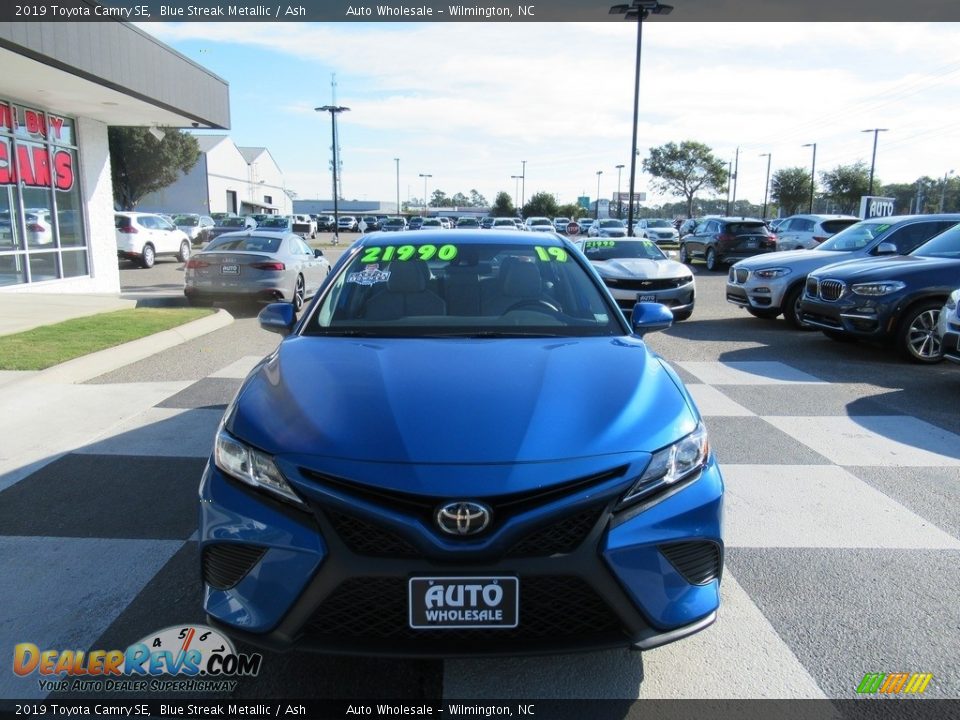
(90, 366)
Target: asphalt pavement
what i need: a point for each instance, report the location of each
(842, 466)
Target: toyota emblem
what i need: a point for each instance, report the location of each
(463, 518)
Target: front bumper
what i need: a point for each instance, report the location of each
(746, 290)
(334, 578)
(870, 318)
(680, 299)
(950, 344)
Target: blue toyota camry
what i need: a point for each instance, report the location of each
(462, 448)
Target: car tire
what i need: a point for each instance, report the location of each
(148, 257)
(764, 313)
(791, 307)
(917, 338)
(184, 253)
(711, 260)
(683, 256)
(298, 294)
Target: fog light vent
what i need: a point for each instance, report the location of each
(226, 564)
(699, 561)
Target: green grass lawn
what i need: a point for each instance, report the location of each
(50, 345)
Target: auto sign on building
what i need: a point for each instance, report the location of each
(871, 207)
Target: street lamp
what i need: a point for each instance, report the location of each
(943, 189)
(397, 161)
(619, 204)
(425, 203)
(516, 188)
(596, 209)
(638, 10)
(873, 160)
(766, 188)
(813, 170)
(334, 110)
(523, 183)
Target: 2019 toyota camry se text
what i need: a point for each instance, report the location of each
(462, 448)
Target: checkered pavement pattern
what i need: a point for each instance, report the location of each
(842, 546)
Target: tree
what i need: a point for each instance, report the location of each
(846, 184)
(477, 200)
(503, 206)
(460, 200)
(439, 199)
(140, 164)
(571, 210)
(790, 189)
(684, 170)
(541, 204)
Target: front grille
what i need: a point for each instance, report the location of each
(699, 561)
(563, 536)
(831, 290)
(376, 608)
(226, 564)
(365, 538)
(742, 274)
(647, 285)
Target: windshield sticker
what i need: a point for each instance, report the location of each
(369, 276)
(388, 253)
(552, 253)
(590, 244)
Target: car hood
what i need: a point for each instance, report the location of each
(895, 267)
(800, 260)
(460, 401)
(641, 267)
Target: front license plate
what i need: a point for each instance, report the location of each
(464, 602)
(230, 269)
(646, 298)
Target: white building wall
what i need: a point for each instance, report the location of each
(96, 188)
(226, 170)
(266, 180)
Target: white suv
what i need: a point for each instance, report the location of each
(803, 232)
(142, 237)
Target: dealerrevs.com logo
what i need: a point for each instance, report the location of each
(198, 657)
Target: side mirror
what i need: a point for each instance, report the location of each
(886, 248)
(317, 253)
(278, 318)
(649, 317)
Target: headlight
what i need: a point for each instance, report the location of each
(771, 273)
(878, 288)
(668, 466)
(251, 466)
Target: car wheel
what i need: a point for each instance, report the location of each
(791, 307)
(298, 294)
(712, 264)
(917, 337)
(148, 257)
(184, 254)
(684, 257)
(764, 313)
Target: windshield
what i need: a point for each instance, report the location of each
(540, 221)
(470, 289)
(394, 221)
(233, 222)
(944, 245)
(600, 250)
(610, 224)
(278, 222)
(245, 243)
(659, 224)
(186, 220)
(856, 236)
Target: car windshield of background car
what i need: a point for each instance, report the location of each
(610, 224)
(468, 290)
(944, 245)
(746, 228)
(186, 220)
(600, 250)
(659, 224)
(247, 243)
(855, 237)
(235, 222)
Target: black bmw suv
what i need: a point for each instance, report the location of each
(894, 298)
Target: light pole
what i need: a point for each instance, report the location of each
(813, 173)
(596, 208)
(397, 161)
(425, 202)
(873, 160)
(638, 10)
(766, 188)
(736, 171)
(334, 110)
(523, 183)
(943, 189)
(516, 188)
(619, 204)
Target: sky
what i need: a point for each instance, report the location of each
(468, 102)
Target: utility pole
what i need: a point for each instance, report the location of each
(736, 169)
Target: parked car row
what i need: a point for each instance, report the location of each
(883, 279)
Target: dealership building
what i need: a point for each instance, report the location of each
(62, 85)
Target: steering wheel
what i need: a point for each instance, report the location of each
(535, 303)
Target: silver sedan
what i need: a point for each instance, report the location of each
(636, 270)
(257, 265)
